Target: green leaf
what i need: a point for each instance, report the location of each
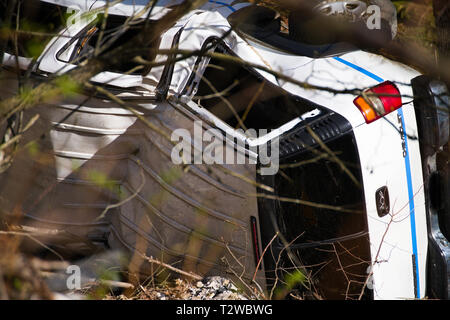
(67, 85)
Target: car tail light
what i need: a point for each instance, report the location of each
(378, 101)
(255, 242)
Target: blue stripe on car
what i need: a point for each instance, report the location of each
(408, 172)
(354, 66)
(224, 4)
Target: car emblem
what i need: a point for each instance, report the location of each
(382, 201)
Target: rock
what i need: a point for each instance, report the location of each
(161, 296)
(214, 288)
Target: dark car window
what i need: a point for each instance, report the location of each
(325, 237)
(233, 92)
(322, 182)
(115, 34)
(36, 23)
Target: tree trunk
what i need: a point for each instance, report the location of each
(441, 10)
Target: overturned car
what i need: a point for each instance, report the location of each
(253, 156)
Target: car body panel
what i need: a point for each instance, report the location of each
(383, 164)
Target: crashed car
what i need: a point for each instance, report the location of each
(352, 191)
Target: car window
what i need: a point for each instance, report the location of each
(118, 30)
(32, 24)
(323, 182)
(239, 95)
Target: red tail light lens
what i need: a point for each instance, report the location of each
(378, 101)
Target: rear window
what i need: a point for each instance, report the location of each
(330, 243)
(323, 182)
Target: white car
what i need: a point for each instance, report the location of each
(359, 199)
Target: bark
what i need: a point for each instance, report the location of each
(441, 10)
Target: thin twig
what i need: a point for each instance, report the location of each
(262, 256)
